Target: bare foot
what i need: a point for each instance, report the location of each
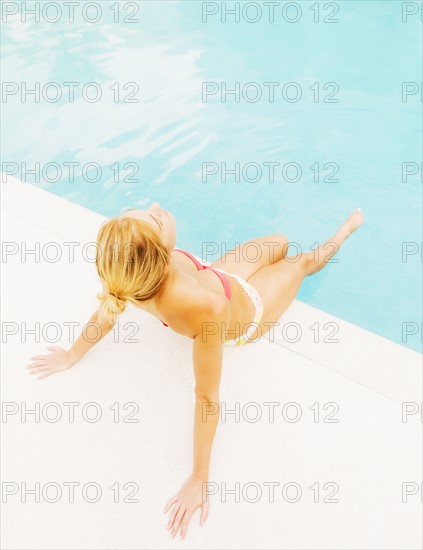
(354, 220)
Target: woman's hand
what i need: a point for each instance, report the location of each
(185, 502)
(49, 364)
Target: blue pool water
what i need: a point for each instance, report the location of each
(154, 149)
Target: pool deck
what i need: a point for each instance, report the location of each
(361, 381)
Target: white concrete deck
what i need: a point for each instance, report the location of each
(369, 453)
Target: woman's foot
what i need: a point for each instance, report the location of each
(317, 259)
(354, 220)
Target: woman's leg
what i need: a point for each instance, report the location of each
(250, 256)
(278, 283)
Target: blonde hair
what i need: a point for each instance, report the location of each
(132, 263)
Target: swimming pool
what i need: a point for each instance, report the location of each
(319, 123)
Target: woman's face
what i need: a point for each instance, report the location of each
(162, 220)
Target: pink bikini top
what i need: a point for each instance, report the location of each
(201, 266)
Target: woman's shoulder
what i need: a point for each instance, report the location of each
(187, 308)
(194, 299)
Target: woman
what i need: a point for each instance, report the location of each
(232, 301)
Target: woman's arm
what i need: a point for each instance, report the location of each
(91, 334)
(60, 359)
(207, 359)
